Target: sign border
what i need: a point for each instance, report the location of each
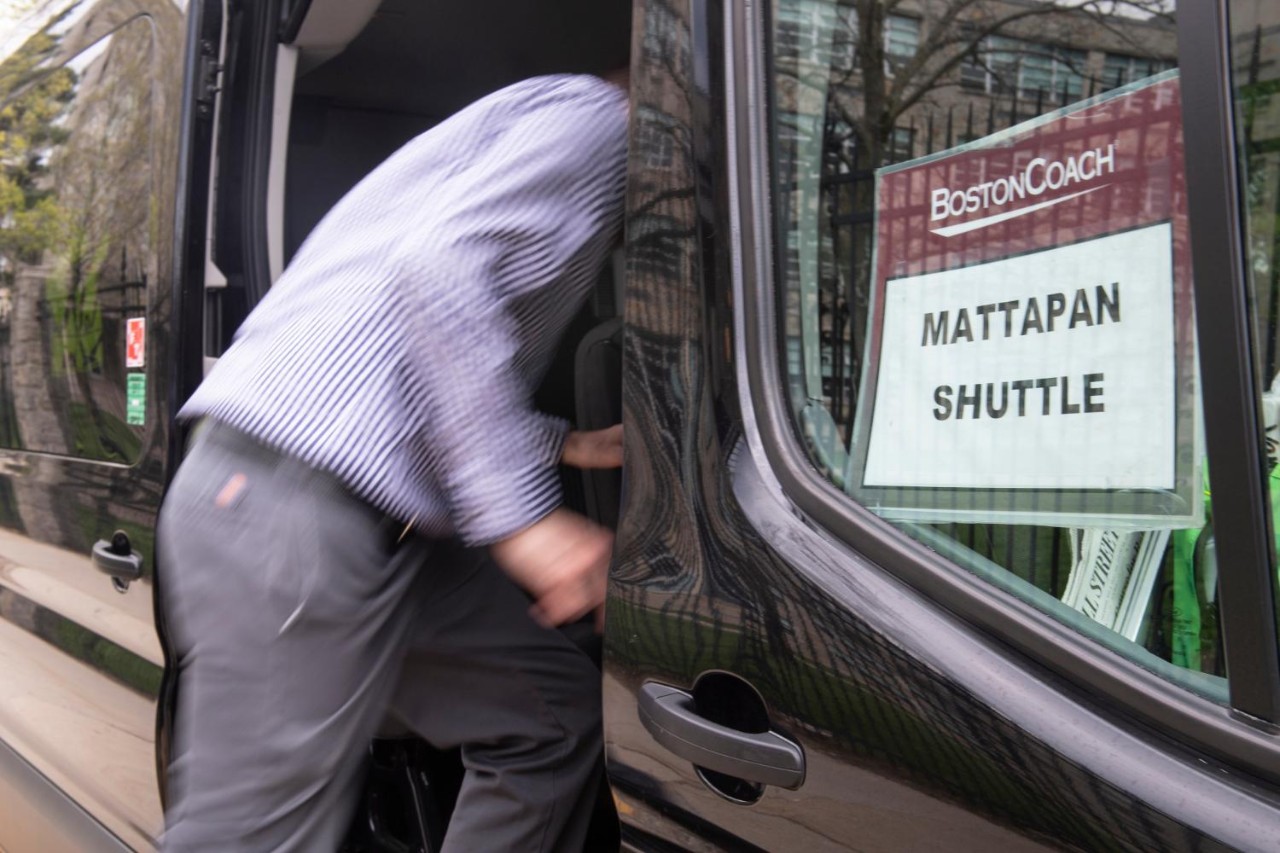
(1181, 506)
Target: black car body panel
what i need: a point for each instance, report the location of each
(918, 730)
(82, 660)
(782, 669)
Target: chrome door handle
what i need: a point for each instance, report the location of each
(117, 558)
(767, 758)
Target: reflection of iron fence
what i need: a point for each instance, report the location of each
(132, 304)
(90, 322)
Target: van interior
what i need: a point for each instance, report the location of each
(353, 81)
(313, 96)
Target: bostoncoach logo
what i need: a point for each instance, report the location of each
(1039, 177)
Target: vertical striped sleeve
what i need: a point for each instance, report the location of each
(401, 347)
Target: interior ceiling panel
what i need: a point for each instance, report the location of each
(433, 57)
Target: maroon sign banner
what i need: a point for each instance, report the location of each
(1031, 351)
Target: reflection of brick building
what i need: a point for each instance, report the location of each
(1255, 25)
(1041, 63)
(995, 63)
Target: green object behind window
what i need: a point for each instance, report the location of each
(1188, 564)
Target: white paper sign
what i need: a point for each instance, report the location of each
(1050, 370)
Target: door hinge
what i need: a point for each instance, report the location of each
(210, 79)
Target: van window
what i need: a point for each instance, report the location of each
(986, 305)
(1255, 37)
(76, 254)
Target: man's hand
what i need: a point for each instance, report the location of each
(600, 448)
(562, 561)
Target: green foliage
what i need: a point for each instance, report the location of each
(76, 345)
(76, 224)
(100, 435)
(32, 102)
(104, 655)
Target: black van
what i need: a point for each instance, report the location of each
(945, 337)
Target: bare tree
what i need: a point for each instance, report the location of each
(874, 92)
(878, 91)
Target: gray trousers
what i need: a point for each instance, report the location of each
(299, 624)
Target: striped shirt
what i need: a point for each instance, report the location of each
(400, 349)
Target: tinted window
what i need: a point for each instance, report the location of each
(986, 305)
(1255, 30)
(76, 224)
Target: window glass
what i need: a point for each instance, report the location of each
(1121, 69)
(901, 33)
(992, 345)
(901, 36)
(1255, 37)
(76, 221)
(1031, 70)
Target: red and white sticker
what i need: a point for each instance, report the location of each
(135, 342)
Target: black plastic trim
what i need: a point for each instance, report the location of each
(1117, 683)
(257, 152)
(244, 149)
(291, 20)
(1232, 414)
(191, 190)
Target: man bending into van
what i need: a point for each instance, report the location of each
(375, 404)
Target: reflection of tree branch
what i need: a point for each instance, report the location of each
(1105, 18)
(915, 81)
(653, 202)
(85, 156)
(955, 32)
(32, 103)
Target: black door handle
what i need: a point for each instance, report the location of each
(117, 558)
(767, 757)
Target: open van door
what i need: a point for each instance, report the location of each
(805, 651)
(96, 163)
